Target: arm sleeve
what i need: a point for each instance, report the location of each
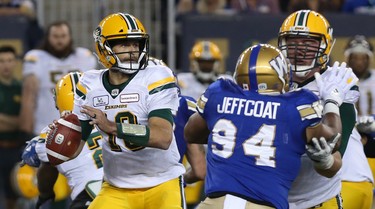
(348, 118)
(86, 129)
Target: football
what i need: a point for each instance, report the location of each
(63, 140)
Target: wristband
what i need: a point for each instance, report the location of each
(326, 164)
(134, 133)
(330, 107)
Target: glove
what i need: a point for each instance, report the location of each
(336, 84)
(41, 200)
(366, 124)
(29, 155)
(320, 151)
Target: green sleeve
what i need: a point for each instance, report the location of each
(162, 113)
(86, 129)
(347, 113)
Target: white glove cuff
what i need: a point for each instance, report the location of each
(325, 164)
(330, 107)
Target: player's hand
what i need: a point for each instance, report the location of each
(320, 151)
(366, 124)
(29, 155)
(41, 200)
(336, 84)
(99, 118)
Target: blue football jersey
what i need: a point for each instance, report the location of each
(186, 108)
(256, 141)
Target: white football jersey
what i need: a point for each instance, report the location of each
(366, 103)
(355, 167)
(48, 70)
(127, 165)
(310, 188)
(190, 86)
(86, 167)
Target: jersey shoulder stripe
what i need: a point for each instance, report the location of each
(309, 111)
(160, 85)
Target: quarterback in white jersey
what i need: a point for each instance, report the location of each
(131, 104)
(43, 68)
(149, 90)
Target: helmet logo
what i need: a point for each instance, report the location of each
(97, 33)
(262, 86)
(279, 65)
(299, 28)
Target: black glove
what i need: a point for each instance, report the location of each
(42, 200)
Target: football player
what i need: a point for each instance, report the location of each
(357, 178)
(257, 132)
(306, 39)
(206, 63)
(42, 69)
(131, 103)
(84, 173)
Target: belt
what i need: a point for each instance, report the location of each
(9, 144)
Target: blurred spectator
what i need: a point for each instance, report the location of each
(185, 6)
(18, 7)
(211, 6)
(216, 7)
(10, 145)
(315, 5)
(26, 8)
(256, 6)
(358, 6)
(42, 68)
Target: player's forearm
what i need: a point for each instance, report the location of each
(47, 176)
(28, 103)
(157, 134)
(196, 157)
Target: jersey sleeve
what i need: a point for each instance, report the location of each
(202, 102)
(189, 105)
(80, 97)
(89, 61)
(40, 147)
(31, 63)
(162, 90)
(309, 107)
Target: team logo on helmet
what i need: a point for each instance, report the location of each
(97, 33)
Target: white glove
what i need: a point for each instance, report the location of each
(336, 84)
(320, 151)
(366, 124)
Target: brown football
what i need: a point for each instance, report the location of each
(64, 139)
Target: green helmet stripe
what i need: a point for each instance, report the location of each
(131, 21)
(301, 18)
